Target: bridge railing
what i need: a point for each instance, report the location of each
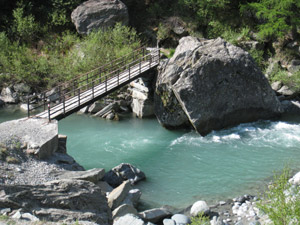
(90, 81)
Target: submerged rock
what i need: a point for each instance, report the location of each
(93, 14)
(211, 85)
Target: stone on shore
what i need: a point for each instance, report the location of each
(122, 172)
(67, 200)
(155, 215)
(295, 179)
(181, 219)
(199, 207)
(122, 210)
(92, 175)
(93, 15)
(211, 85)
(169, 222)
(117, 196)
(133, 197)
(129, 219)
(8, 95)
(40, 136)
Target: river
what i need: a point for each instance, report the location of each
(181, 166)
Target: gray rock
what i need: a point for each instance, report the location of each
(129, 219)
(276, 85)
(62, 143)
(17, 215)
(133, 197)
(5, 211)
(212, 85)
(155, 215)
(22, 88)
(93, 15)
(294, 66)
(67, 200)
(216, 221)
(285, 90)
(107, 109)
(83, 110)
(122, 210)
(110, 116)
(117, 196)
(181, 219)
(291, 107)
(24, 107)
(95, 107)
(2, 103)
(8, 95)
(169, 222)
(40, 135)
(28, 216)
(142, 108)
(53, 95)
(92, 175)
(122, 172)
(104, 186)
(199, 207)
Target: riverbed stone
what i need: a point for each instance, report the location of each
(95, 107)
(92, 175)
(211, 85)
(199, 207)
(155, 215)
(8, 95)
(181, 219)
(291, 107)
(93, 15)
(133, 197)
(295, 179)
(169, 222)
(129, 219)
(122, 210)
(285, 90)
(117, 196)
(104, 186)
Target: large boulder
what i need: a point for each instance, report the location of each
(67, 200)
(211, 85)
(94, 14)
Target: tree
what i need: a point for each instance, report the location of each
(278, 16)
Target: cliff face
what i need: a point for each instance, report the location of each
(212, 84)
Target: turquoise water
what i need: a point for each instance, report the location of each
(181, 166)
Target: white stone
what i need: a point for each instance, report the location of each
(30, 217)
(199, 207)
(169, 222)
(129, 219)
(295, 179)
(181, 219)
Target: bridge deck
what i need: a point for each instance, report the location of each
(75, 103)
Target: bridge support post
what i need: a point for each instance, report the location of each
(105, 83)
(44, 100)
(93, 89)
(64, 104)
(78, 97)
(49, 118)
(28, 108)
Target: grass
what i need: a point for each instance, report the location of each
(281, 207)
(200, 220)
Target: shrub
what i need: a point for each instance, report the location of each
(200, 220)
(281, 208)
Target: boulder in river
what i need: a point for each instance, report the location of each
(8, 95)
(122, 172)
(212, 84)
(93, 14)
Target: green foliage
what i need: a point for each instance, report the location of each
(279, 16)
(162, 32)
(61, 57)
(258, 56)
(200, 220)
(292, 81)
(281, 208)
(24, 27)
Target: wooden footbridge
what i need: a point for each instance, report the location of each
(87, 88)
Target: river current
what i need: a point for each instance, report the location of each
(181, 166)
